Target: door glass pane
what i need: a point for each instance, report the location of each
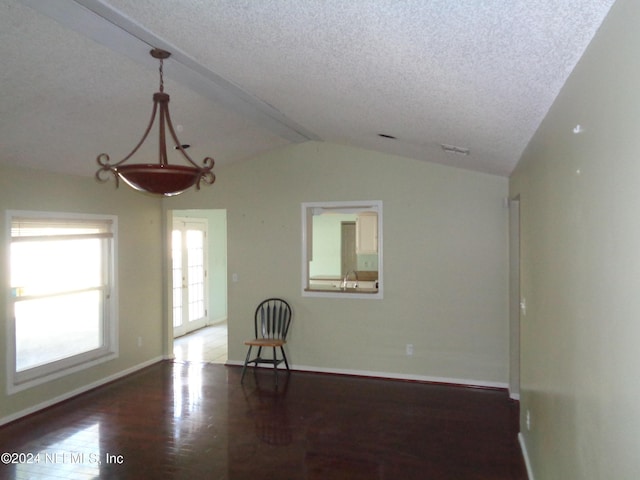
(176, 255)
(195, 259)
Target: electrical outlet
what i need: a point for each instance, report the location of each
(409, 349)
(139, 341)
(528, 420)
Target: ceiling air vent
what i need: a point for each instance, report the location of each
(454, 149)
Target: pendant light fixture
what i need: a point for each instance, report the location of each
(158, 178)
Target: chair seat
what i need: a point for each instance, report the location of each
(265, 342)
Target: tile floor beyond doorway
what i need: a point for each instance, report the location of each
(208, 344)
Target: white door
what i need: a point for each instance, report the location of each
(189, 261)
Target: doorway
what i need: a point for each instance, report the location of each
(198, 285)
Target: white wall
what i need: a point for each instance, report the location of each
(140, 257)
(580, 204)
(445, 261)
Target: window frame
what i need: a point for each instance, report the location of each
(307, 209)
(108, 350)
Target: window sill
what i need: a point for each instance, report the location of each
(333, 289)
(334, 292)
(64, 367)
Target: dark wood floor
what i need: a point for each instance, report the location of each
(195, 421)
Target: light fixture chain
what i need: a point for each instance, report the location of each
(161, 76)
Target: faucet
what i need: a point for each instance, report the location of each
(346, 277)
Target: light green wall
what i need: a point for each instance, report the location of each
(140, 284)
(445, 261)
(327, 244)
(580, 225)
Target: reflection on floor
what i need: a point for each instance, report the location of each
(208, 344)
(195, 420)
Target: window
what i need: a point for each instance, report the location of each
(342, 249)
(62, 314)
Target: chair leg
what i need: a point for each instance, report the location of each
(246, 360)
(284, 356)
(275, 365)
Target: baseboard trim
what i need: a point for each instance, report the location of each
(525, 455)
(77, 391)
(216, 321)
(388, 375)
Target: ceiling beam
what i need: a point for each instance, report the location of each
(109, 27)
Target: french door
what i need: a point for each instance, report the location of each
(189, 261)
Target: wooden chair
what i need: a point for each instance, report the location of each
(271, 325)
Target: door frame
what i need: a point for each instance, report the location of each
(514, 298)
(347, 236)
(218, 269)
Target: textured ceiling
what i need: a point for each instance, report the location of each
(479, 74)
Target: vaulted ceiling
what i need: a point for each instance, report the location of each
(248, 76)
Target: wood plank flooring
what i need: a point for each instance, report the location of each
(180, 420)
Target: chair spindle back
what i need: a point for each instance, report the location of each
(272, 319)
